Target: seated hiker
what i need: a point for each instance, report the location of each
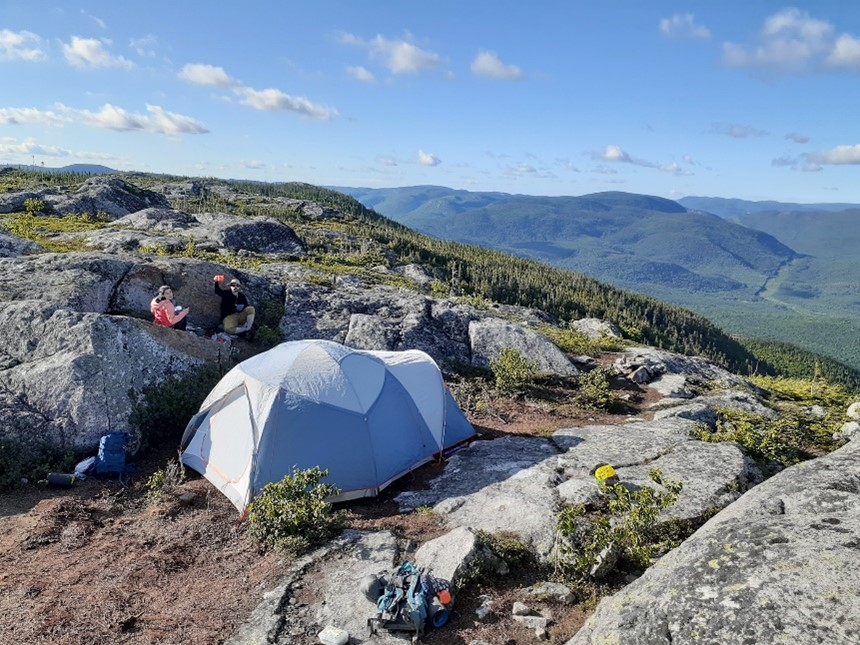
(237, 315)
(165, 312)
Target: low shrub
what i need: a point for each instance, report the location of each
(164, 410)
(792, 437)
(165, 480)
(512, 371)
(594, 392)
(291, 516)
(626, 524)
(575, 342)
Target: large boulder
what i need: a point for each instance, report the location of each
(488, 337)
(778, 565)
(67, 377)
(12, 246)
(107, 195)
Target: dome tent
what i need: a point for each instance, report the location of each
(367, 417)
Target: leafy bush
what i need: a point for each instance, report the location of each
(34, 464)
(291, 515)
(574, 342)
(33, 206)
(11, 470)
(493, 549)
(164, 480)
(792, 437)
(164, 410)
(626, 523)
(594, 392)
(512, 370)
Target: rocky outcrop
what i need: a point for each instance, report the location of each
(109, 196)
(776, 566)
(68, 377)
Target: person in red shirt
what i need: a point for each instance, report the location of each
(164, 311)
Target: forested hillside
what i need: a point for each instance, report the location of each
(479, 273)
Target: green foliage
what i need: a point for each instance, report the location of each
(11, 466)
(292, 515)
(163, 411)
(627, 521)
(495, 548)
(574, 342)
(594, 392)
(268, 336)
(33, 206)
(512, 370)
(792, 437)
(34, 463)
(790, 361)
(165, 480)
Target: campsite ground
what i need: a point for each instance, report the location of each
(99, 563)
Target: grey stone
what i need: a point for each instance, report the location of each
(490, 336)
(778, 565)
(595, 328)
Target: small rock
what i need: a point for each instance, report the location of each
(532, 622)
(541, 634)
(521, 609)
(854, 411)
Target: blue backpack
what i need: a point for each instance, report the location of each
(110, 459)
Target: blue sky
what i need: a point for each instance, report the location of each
(754, 100)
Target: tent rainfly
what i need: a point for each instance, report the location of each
(367, 417)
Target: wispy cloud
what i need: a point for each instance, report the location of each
(838, 156)
(273, 100)
(21, 45)
(158, 121)
(90, 53)
(797, 137)
(487, 63)
(738, 131)
(201, 74)
(360, 73)
(144, 46)
(792, 41)
(267, 100)
(253, 164)
(615, 154)
(428, 159)
(30, 147)
(797, 163)
(398, 56)
(683, 26)
(19, 116)
(386, 161)
(101, 23)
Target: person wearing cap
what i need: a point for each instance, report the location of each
(165, 313)
(237, 315)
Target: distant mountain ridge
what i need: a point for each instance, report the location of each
(774, 270)
(84, 168)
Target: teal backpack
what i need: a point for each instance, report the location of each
(407, 600)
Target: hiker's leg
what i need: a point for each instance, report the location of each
(181, 324)
(230, 323)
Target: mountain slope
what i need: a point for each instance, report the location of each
(782, 275)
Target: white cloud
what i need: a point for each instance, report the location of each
(268, 100)
(91, 53)
(101, 23)
(200, 74)
(144, 46)
(17, 116)
(360, 74)
(427, 159)
(253, 164)
(792, 41)
(159, 120)
(21, 45)
(612, 153)
(273, 100)
(840, 155)
(738, 131)
(30, 147)
(845, 52)
(674, 169)
(487, 63)
(386, 161)
(797, 137)
(683, 26)
(399, 56)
